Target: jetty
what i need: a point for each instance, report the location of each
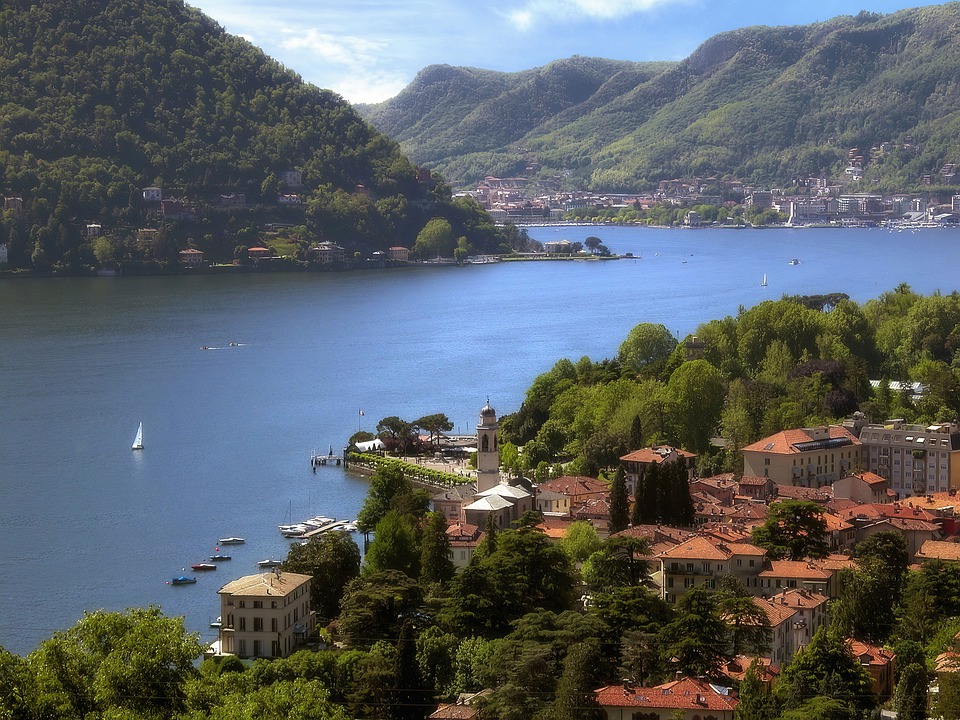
(335, 525)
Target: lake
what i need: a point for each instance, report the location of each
(85, 523)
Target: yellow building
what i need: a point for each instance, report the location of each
(808, 457)
(266, 615)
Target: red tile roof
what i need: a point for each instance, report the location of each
(683, 694)
(576, 486)
(786, 441)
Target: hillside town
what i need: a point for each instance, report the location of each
(860, 478)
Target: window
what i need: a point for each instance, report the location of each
(257, 604)
(242, 650)
(766, 461)
(242, 603)
(243, 624)
(273, 624)
(273, 604)
(258, 624)
(257, 648)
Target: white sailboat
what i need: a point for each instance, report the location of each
(138, 440)
(764, 283)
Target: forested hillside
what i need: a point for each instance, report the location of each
(102, 98)
(767, 105)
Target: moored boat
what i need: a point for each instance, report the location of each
(203, 566)
(220, 558)
(183, 580)
(269, 563)
(231, 541)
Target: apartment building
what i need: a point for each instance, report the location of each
(916, 459)
(638, 461)
(266, 615)
(808, 457)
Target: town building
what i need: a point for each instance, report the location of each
(463, 540)
(326, 252)
(689, 698)
(191, 257)
(266, 615)
(398, 253)
(638, 461)
(863, 487)
(916, 459)
(152, 194)
(808, 457)
(879, 663)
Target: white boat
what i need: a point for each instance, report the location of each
(232, 541)
(138, 440)
(269, 563)
(764, 282)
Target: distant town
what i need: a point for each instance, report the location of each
(812, 201)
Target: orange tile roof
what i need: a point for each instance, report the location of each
(454, 712)
(785, 442)
(575, 486)
(656, 454)
(870, 478)
(683, 694)
(798, 598)
(939, 550)
(795, 569)
(777, 613)
(870, 654)
(753, 480)
(736, 668)
(696, 548)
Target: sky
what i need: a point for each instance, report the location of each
(369, 50)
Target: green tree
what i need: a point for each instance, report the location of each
(375, 607)
(298, 699)
(695, 642)
(619, 503)
(436, 239)
(646, 348)
(333, 559)
(826, 667)
(574, 698)
(410, 699)
(386, 485)
(747, 624)
(137, 661)
(434, 424)
(794, 530)
(580, 540)
(696, 390)
(756, 702)
(394, 547)
(435, 563)
(910, 696)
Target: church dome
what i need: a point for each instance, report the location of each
(488, 411)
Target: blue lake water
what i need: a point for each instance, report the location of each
(86, 523)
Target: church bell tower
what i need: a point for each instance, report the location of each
(488, 451)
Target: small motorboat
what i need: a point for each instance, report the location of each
(220, 558)
(216, 623)
(183, 580)
(203, 566)
(269, 563)
(231, 541)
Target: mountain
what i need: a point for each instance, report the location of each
(767, 105)
(102, 98)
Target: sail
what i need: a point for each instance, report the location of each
(138, 440)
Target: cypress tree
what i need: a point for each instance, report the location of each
(651, 509)
(619, 503)
(636, 516)
(435, 563)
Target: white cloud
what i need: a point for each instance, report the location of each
(343, 50)
(533, 11)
